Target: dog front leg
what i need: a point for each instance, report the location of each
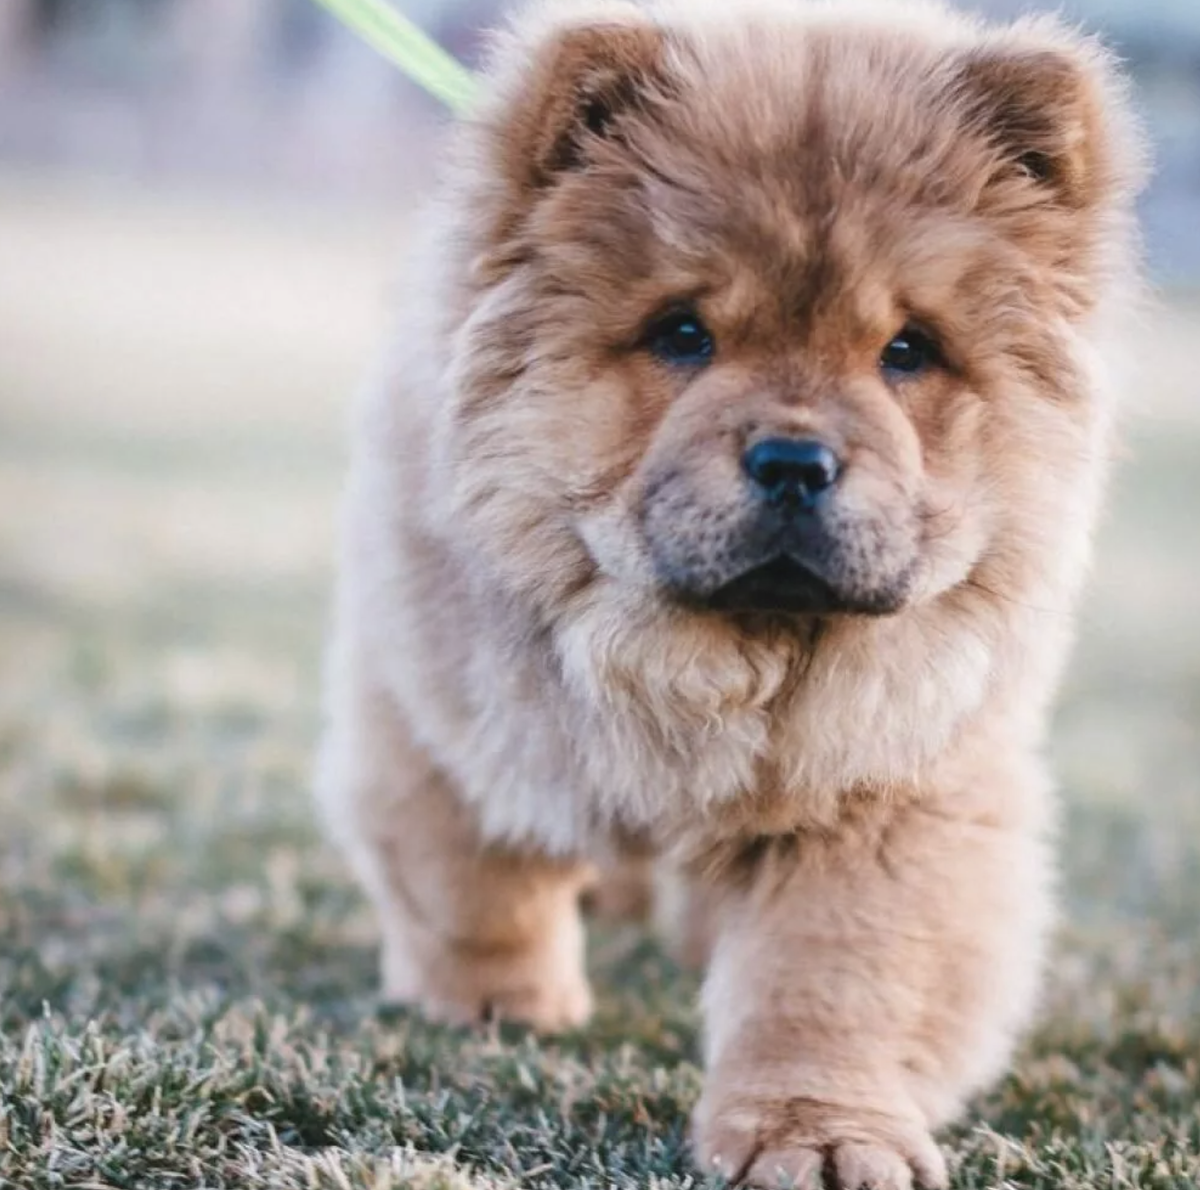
(470, 931)
(863, 983)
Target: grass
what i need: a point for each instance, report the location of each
(186, 972)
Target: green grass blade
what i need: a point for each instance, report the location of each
(406, 45)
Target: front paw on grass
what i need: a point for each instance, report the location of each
(552, 1009)
(818, 1147)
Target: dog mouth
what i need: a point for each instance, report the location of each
(781, 584)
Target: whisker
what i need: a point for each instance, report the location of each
(976, 585)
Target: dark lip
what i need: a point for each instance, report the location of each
(780, 585)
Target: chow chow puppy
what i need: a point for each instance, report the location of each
(726, 496)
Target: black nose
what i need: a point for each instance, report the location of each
(791, 471)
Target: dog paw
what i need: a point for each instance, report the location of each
(548, 1010)
(820, 1147)
(524, 989)
(544, 1010)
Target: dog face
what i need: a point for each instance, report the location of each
(781, 316)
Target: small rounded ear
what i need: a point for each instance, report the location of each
(578, 86)
(1043, 111)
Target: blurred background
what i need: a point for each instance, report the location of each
(201, 207)
(274, 96)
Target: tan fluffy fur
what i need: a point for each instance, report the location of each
(852, 807)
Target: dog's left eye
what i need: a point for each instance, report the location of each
(911, 351)
(681, 337)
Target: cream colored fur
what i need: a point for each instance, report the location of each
(863, 817)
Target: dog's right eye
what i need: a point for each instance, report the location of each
(681, 338)
(909, 352)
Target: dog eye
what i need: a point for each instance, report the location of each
(681, 338)
(911, 351)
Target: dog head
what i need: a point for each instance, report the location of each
(778, 308)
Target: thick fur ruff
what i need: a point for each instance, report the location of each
(531, 672)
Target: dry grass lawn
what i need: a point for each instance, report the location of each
(186, 973)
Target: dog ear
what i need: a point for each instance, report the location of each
(1043, 111)
(577, 89)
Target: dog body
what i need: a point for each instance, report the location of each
(726, 495)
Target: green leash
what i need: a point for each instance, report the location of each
(403, 43)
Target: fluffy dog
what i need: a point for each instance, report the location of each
(727, 494)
